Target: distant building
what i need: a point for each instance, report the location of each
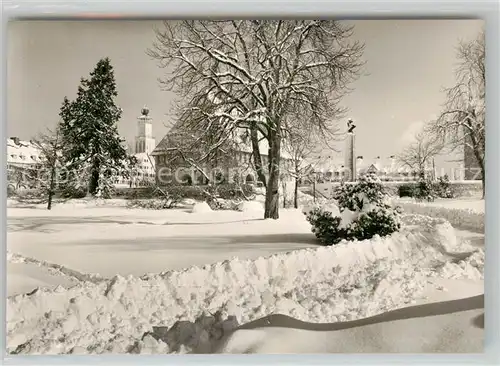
(145, 143)
(387, 169)
(234, 166)
(143, 173)
(24, 158)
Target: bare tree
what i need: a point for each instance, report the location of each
(303, 147)
(51, 145)
(461, 123)
(419, 154)
(254, 74)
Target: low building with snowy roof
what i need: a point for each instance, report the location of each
(387, 169)
(23, 153)
(24, 158)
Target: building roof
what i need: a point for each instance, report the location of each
(170, 139)
(23, 152)
(176, 133)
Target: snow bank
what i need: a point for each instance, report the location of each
(191, 310)
(26, 278)
(429, 328)
(251, 206)
(459, 217)
(445, 236)
(201, 207)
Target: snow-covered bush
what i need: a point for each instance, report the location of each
(74, 191)
(425, 190)
(443, 188)
(380, 220)
(363, 211)
(368, 191)
(407, 190)
(105, 187)
(325, 226)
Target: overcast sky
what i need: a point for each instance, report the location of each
(408, 64)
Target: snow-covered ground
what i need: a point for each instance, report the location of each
(110, 241)
(467, 214)
(443, 327)
(473, 204)
(311, 283)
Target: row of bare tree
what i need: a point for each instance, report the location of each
(461, 124)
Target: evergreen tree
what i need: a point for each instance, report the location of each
(90, 130)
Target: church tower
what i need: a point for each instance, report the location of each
(144, 141)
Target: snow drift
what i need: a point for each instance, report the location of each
(444, 327)
(201, 207)
(251, 206)
(459, 217)
(191, 310)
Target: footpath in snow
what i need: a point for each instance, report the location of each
(193, 309)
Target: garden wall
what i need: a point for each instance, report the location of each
(461, 188)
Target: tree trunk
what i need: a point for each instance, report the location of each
(283, 185)
(271, 210)
(94, 179)
(483, 174)
(296, 193)
(257, 159)
(480, 160)
(314, 189)
(51, 186)
(483, 181)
